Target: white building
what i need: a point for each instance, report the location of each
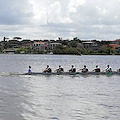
(40, 46)
(52, 45)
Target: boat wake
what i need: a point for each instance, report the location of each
(5, 74)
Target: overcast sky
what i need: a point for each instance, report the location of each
(50, 19)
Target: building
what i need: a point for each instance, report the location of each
(113, 46)
(13, 44)
(117, 41)
(26, 43)
(117, 49)
(91, 45)
(51, 46)
(41, 46)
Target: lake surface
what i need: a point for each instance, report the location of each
(58, 97)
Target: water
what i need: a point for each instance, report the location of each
(58, 97)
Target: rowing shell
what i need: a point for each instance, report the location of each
(70, 73)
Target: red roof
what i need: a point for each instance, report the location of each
(118, 40)
(114, 45)
(40, 42)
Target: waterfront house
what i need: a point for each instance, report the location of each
(91, 45)
(42, 46)
(26, 43)
(117, 41)
(51, 46)
(113, 46)
(117, 49)
(13, 44)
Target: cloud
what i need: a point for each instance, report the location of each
(73, 4)
(55, 14)
(39, 19)
(15, 12)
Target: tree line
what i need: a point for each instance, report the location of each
(73, 47)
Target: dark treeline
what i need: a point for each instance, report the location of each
(74, 47)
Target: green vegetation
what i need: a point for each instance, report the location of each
(106, 50)
(60, 49)
(24, 50)
(28, 50)
(73, 47)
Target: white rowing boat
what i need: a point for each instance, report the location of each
(70, 73)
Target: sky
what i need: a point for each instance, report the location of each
(50, 19)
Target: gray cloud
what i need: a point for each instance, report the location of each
(49, 19)
(15, 12)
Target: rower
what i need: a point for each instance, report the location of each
(73, 69)
(85, 69)
(48, 69)
(60, 69)
(108, 69)
(29, 70)
(97, 69)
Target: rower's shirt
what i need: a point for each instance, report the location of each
(61, 68)
(73, 69)
(109, 69)
(97, 70)
(29, 70)
(85, 69)
(49, 69)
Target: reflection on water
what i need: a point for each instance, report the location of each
(58, 97)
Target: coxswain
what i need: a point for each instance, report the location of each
(60, 69)
(97, 69)
(48, 69)
(73, 69)
(108, 69)
(29, 70)
(85, 69)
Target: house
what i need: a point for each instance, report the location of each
(117, 49)
(13, 44)
(91, 45)
(42, 46)
(25, 41)
(114, 46)
(27, 45)
(117, 41)
(51, 46)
